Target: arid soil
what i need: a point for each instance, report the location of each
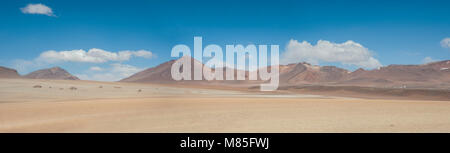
(32, 105)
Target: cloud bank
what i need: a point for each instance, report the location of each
(96, 68)
(445, 43)
(428, 60)
(347, 53)
(115, 72)
(37, 9)
(93, 55)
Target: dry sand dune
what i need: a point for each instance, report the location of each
(52, 106)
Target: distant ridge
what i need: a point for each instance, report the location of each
(54, 73)
(8, 73)
(431, 75)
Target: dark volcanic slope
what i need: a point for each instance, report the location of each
(55, 73)
(8, 73)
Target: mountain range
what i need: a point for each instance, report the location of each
(430, 75)
(54, 73)
(8, 73)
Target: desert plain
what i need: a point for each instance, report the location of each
(35, 105)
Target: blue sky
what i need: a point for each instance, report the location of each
(400, 32)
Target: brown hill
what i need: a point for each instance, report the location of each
(8, 73)
(301, 73)
(55, 73)
(160, 73)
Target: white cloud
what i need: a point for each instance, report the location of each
(115, 73)
(96, 68)
(124, 70)
(37, 9)
(143, 53)
(348, 53)
(445, 42)
(93, 55)
(428, 60)
(23, 66)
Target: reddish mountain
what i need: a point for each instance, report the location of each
(8, 73)
(55, 73)
(301, 73)
(432, 75)
(160, 73)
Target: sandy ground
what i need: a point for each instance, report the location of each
(120, 107)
